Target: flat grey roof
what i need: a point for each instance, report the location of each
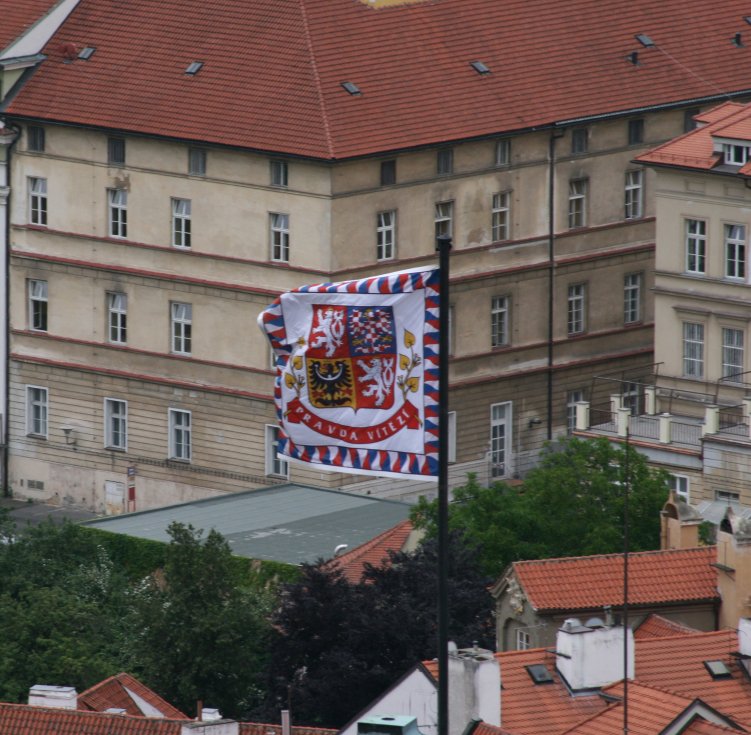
(287, 523)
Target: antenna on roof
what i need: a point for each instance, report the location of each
(644, 40)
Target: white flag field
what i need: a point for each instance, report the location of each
(357, 374)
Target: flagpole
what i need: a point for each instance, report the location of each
(443, 245)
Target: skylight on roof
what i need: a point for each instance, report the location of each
(539, 674)
(644, 40)
(479, 67)
(194, 67)
(86, 53)
(718, 669)
(351, 87)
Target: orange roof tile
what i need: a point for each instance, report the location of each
(18, 16)
(655, 626)
(703, 727)
(117, 691)
(273, 69)
(260, 728)
(589, 582)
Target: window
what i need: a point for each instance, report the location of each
(117, 318)
(36, 411)
(577, 203)
(500, 216)
(196, 161)
(274, 465)
(576, 297)
(635, 131)
(279, 173)
(182, 325)
(181, 223)
(499, 321)
(118, 201)
(632, 298)
(388, 172)
(689, 123)
(116, 151)
(732, 352)
(385, 235)
(500, 439)
(36, 141)
(693, 350)
(735, 155)
(634, 194)
(630, 395)
(279, 224)
(579, 140)
(38, 201)
(179, 434)
(735, 251)
(38, 305)
(727, 495)
(115, 424)
(445, 161)
(572, 398)
(444, 213)
(696, 245)
(523, 642)
(503, 152)
(679, 484)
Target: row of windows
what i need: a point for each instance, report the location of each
(734, 243)
(732, 358)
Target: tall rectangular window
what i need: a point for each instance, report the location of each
(500, 439)
(445, 161)
(115, 424)
(696, 245)
(279, 224)
(444, 214)
(118, 206)
(732, 353)
(36, 141)
(634, 195)
(181, 223)
(36, 411)
(576, 305)
(572, 398)
(577, 203)
(693, 350)
(279, 174)
(503, 152)
(38, 305)
(501, 215)
(116, 151)
(117, 318)
(689, 119)
(38, 201)
(636, 131)
(388, 172)
(386, 235)
(182, 327)
(275, 466)
(632, 298)
(179, 435)
(680, 485)
(579, 140)
(735, 251)
(523, 640)
(499, 321)
(197, 161)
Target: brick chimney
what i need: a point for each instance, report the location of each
(590, 657)
(474, 688)
(734, 569)
(679, 524)
(45, 695)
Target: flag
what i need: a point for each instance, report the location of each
(357, 373)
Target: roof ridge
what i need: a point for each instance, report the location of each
(612, 555)
(694, 636)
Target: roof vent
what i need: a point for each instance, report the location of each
(633, 57)
(352, 88)
(194, 67)
(479, 67)
(644, 40)
(69, 51)
(87, 52)
(737, 40)
(595, 623)
(210, 714)
(571, 623)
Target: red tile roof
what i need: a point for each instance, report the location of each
(18, 16)
(117, 692)
(655, 626)
(260, 728)
(273, 69)
(589, 582)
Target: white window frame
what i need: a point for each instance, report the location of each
(693, 350)
(501, 216)
(38, 201)
(734, 154)
(275, 467)
(38, 305)
(118, 213)
(501, 430)
(632, 298)
(732, 352)
(576, 302)
(735, 251)
(116, 424)
(577, 203)
(180, 434)
(499, 321)
(181, 327)
(181, 223)
(634, 194)
(117, 318)
(681, 484)
(572, 398)
(523, 640)
(279, 173)
(386, 235)
(37, 411)
(279, 236)
(696, 245)
(503, 152)
(444, 218)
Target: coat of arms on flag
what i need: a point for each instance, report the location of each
(357, 373)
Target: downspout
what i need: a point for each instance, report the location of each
(554, 135)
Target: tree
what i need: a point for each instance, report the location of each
(571, 504)
(338, 645)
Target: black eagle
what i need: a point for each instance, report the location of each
(330, 383)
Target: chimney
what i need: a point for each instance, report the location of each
(679, 524)
(44, 695)
(592, 657)
(388, 725)
(734, 569)
(474, 688)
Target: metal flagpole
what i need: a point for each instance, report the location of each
(443, 245)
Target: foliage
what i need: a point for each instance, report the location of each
(571, 504)
(338, 645)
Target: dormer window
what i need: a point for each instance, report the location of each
(734, 154)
